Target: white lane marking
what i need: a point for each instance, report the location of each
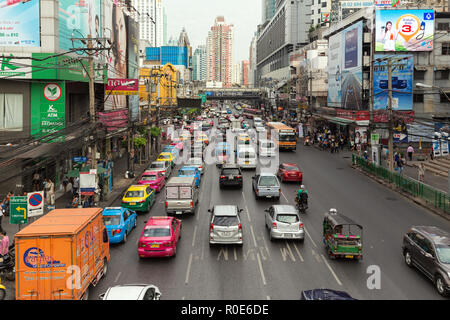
(235, 254)
(284, 197)
(248, 213)
(331, 270)
(309, 236)
(223, 251)
(285, 253)
(193, 238)
(261, 269)
(298, 252)
(253, 235)
(265, 246)
(188, 269)
(117, 278)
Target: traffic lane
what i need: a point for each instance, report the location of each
(167, 273)
(291, 266)
(225, 271)
(384, 214)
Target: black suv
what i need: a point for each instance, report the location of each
(230, 175)
(428, 249)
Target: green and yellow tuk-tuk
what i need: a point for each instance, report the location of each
(342, 236)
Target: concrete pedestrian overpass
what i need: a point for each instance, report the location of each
(232, 93)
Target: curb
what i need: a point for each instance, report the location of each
(418, 201)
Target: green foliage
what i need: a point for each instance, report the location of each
(139, 142)
(155, 131)
(143, 131)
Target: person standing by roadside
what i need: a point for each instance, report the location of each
(410, 152)
(36, 181)
(399, 164)
(76, 185)
(421, 172)
(4, 243)
(50, 192)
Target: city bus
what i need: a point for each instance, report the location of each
(249, 113)
(286, 137)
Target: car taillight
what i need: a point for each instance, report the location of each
(240, 227)
(300, 226)
(238, 177)
(222, 177)
(192, 204)
(142, 201)
(141, 244)
(211, 228)
(116, 231)
(168, 244)
(165, 204)
(274, 225)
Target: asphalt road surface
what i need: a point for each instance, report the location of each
(262, 269)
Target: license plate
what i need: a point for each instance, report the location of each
(288, 235)
(225, 234)
(350, 257)
(247, 162)
(178, 212)
(132, 203)
(268, 196)
(230, 177)
(154, 246)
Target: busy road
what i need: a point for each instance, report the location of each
(262, 269)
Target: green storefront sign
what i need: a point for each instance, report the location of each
(18, 210)
(48, 108)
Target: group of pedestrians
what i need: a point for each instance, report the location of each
(327, 139)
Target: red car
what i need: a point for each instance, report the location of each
(154, 179)
(289, 172)
(160, 237)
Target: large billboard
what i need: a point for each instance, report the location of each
(20, 23)
(402, 83)
(78, 19)
(133, 63)
(345, 69)
(404, 30)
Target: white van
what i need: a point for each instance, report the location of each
(266, 148)
(246, 157)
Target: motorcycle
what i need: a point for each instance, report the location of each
(301, 207)
(2, 291)
(307, 141)
(7, 267)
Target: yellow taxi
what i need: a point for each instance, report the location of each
(202, 137)
(139, 198)
(242, 140)
(166, 156)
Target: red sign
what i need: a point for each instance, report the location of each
(378, 115)
(114, 120)
(122, 87)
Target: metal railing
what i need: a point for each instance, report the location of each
(413, 187)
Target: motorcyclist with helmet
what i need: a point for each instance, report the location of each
(302, 197)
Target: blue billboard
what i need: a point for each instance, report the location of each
(402, 82)
(20, 23)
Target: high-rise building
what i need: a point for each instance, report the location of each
(320, 12)
(268, 9)
(244, 73)
(236, 74)
(219, 51)
(151, 20)
(252, 61)
(199, 63)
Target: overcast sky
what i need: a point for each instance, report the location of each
(197, 16)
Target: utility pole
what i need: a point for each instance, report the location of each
(92, 99)
(391, 130)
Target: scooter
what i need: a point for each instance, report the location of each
(7, 268)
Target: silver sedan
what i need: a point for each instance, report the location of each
(283, 222)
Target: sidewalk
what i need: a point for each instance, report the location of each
(119, 187)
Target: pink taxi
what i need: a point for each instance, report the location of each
(160, 237)
(154, 179)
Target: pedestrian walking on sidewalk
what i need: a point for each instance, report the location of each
(4, 243)
(400, 164)
(410, 151)
(36, 181)
(50, 192)
(421, 172)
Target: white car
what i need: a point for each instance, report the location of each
(266, 148)
(246, 157)
(132, 292)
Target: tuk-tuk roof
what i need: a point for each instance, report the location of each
(340, 219)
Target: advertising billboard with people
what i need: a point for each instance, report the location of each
(404, 30)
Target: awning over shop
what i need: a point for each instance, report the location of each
(420, 68)
(340, 121)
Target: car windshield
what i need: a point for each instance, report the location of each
(225, 221)
(247, 155)
(443, 252)
(291, 168)
(287, 218)
(164, 156)
(159, 165)
(230, 171)
(111, 220)
(185, 172)
(156, 232)
(149, 177)
(286, 137)
(268, 181)
(134, 194)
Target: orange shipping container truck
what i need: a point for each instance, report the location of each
(60, 255)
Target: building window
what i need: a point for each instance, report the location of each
(324, 4)
(11, 112)
(418, 97)
(443, 26)
(419, 75)
(441, 75)
(446, 48)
